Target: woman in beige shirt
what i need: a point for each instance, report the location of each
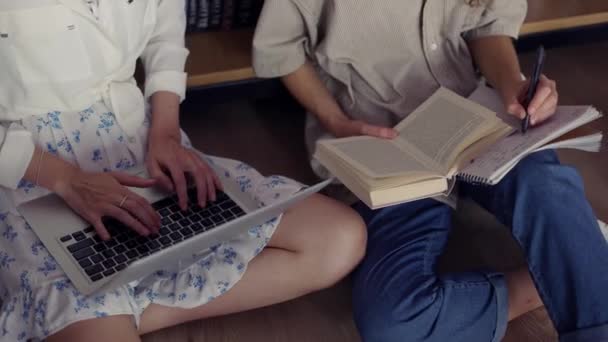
(359, 67)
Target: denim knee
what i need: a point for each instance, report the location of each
(471, 307)
(542, 179)
(377, 323)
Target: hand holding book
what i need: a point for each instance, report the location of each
(448, 137)
(306, 86)
(342, 127)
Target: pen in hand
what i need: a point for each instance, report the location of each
(538, 67)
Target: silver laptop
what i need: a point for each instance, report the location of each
(92, 264)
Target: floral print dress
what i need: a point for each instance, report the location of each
(38, 299)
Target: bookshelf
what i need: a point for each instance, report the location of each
(552, 15)
(218, 57)
(225, 56)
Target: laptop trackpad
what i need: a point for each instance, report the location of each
(50, 216)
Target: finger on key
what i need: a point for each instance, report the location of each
(157, 173)
(201, 185)
(179, 182)
(128, 220)
(143, 211)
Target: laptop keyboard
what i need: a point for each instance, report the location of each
(100, 259)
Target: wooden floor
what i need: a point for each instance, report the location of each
(269, 135)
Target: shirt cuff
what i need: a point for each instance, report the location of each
(277, 65)
(495, 29)
(171, 81)
(15, 156)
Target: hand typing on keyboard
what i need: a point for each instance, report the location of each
(100, 259)
(169, 162)
(97, 195)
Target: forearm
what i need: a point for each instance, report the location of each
(497, 60)
(165, 113)
(306, 86)
(48, 170)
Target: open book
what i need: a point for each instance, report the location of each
(448, 137)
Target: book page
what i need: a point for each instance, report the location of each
(444, 126)
(491, 165)
(490, 99)
(374, 157)
(589, 143)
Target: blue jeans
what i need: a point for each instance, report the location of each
(399, 296)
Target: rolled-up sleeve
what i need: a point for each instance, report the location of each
(280, 41)
(500, 18)
(165, 55)
(16, 151)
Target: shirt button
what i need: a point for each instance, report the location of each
(434, 47)
(132, 140)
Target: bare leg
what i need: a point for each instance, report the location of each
(523, 296)
(317, 244)
(114, 328)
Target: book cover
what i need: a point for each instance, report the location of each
(215, 16)
(192, 13)
(248, 12)
(243, 13)
(228, 15)
(202, 23)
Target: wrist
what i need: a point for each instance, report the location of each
(56, 174)
(164, 132)
(165, 124)
(165, 115)
(48, 171)
(333, 120)
(510, 86)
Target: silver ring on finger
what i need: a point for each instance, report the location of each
(122, 202)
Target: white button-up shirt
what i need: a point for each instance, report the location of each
(58, 55)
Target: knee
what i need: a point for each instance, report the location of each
(541, 175)
(341, 245)
(110, 328)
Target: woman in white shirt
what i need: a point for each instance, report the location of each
(72, 120)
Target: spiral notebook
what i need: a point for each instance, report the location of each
(448, 137)
(491, 166)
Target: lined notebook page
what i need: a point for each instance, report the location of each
(500, 158)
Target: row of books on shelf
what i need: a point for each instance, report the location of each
(212, 15)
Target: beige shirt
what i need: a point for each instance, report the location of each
(379, 58)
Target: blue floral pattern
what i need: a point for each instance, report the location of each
(26, 186)
(48, 266)
(9, 233)
(6, 260)
(38, 299)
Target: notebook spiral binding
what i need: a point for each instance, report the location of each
(472, 179)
